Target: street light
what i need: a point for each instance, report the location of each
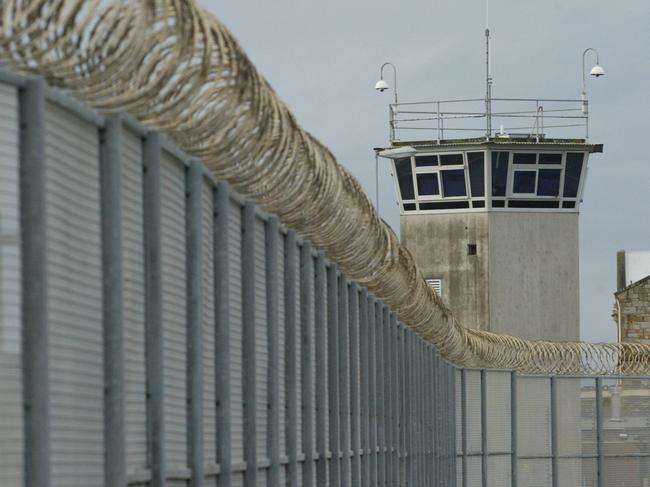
(596, 72)
(381, 85)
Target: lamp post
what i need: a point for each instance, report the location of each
(381, 85)
(596, 72)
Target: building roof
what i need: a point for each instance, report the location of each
(503, 142)
(634, 284)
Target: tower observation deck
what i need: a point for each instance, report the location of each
(489, 192)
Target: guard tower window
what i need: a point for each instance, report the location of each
(424, 161)
(499, 173)
(428, 184)
(548, 182)
(550, 158)
(524, 182)
(524, 158)
(453, 183)
(451, 159)
(476, 173)
(572, 174)
(471, 249)
(405, 178)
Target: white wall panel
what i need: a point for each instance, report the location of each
(174, 309)
(75, 299)
(11, 423)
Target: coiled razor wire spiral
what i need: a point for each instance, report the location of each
(175, 67)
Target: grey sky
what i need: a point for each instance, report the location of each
(323, 59)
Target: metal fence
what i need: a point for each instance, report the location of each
(158, 329)
(538, 431)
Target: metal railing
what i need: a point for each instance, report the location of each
(519, 430)
(536, 118)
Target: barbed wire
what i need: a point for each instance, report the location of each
(177, 68)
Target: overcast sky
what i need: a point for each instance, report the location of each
(323, 59)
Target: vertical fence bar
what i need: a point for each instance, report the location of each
(153, 308)
(194, 263)
(514, 458)
(430, 405)
(554, 433)
(436, 405)
(484, 420)
(394, 396)
(421, 407)
(599, 433)
(365, 387)
(272, 302)
(248, 349)
(388, 395)
(306, 381)
(332, 384)
(344, 378)
(113, 313)
(222, 332)
(355, 392)
(402, 402)
(320, 304)
(372, 374)
(35, 336)
(291, 362)
(463, 409)
(381, 401)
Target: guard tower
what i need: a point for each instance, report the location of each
(492, 219)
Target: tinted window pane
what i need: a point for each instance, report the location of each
(444, 205)
(524, 158)
(572, 174)
(546, 158)
(428, 184)
(478, 204)
(569, 204)
(548, 182)
(498, 204)
(450, 159)
(499, 173)
(426, 161)
(524, 182)
(453, 183)
(405, 178)
(534, 204)
(476, 173)
(409, 206)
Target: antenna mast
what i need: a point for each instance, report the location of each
(488, 73)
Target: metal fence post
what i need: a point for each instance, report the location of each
(599, 433)
(381, 396)
(272, 301)
(306, 353)
(355, 390)
(222, 332)
(322, 402)
(344, 378)
(463, 412)
(388, 395)
(248, 350)
(395, 398)
(484, 420)
(365, 387)
(332, 383)
(35, 337)
(290, 357)
(113, 314)
(513, 429)
(554, 433)
(153, 308)
(372, 375)
(194, 246)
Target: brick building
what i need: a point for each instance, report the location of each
(632, 300)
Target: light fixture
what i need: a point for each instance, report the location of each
(398, 152)
(381, 85)
(596, 72)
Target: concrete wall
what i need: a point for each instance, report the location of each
(523, 279)
(533, 278)
(439, 245)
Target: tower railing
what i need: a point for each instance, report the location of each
(537, 118)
